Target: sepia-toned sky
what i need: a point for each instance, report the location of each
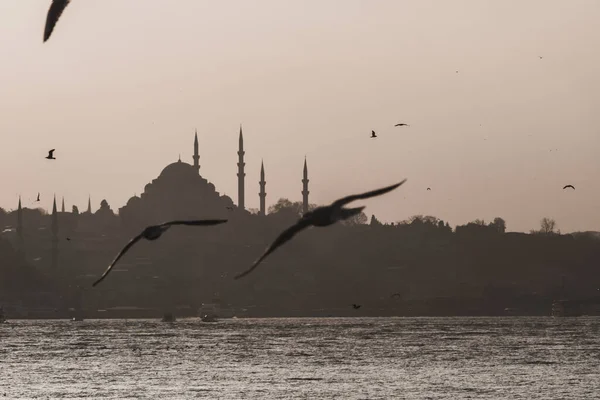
(121, 86)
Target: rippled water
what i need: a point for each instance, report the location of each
(324, 358)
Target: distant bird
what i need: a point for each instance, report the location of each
(457, 72)
(428, 188)
(356, 306)
(229, 208)
(373, 135)
(402, 125)
(320, 216)
(50, 155)
(38, 197)
(540, 57)
(54, 12)
(154, 232)
(569, 186)
(68, 238)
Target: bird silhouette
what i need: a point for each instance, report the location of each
(569, 186)
(38, 197)
(540, 57)
(402, 125)
(50, 155)
(356, 306)
(320, 216)
(373, 135)
(428, 188)
(154, 232)
(54, 12)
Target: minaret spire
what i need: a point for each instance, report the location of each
(19, 219)
(262, 193)
(20, 226)
(62, 208)
(54, 230)
(89, 209)
(305, 189)
(196, 154)
(241, 173)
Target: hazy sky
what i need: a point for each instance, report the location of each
(121, 85)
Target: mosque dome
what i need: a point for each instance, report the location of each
(177, 170)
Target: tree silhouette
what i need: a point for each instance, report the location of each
(375, 221)
(499, 224)
(285, 205)
(75, 210)
(358, 219)
(547, 226)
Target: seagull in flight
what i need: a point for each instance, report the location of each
(54, 12)
(373, 135)
(154, 232)
(569, 186)
(50, 155)
(428, 188)
(356, 306)
(321, 216)
(402, 125)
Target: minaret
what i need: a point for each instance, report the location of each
(62, 208)
(20, 225)
(89, 209)
(241, 173)
(54, 230)
(262, 193)
(19, 219)
(196, 154)
(305, 191)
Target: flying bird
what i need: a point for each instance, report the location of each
(320, 216)
(54, 12)
(540, 57)
(428, 188)
(373, 135)
(569, 186)
(356, 306)
(50, 155)
(402, 125)
(38, 197)
(154, 232)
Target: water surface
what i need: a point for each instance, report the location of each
(321, 358)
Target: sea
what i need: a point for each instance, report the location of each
(302, 358)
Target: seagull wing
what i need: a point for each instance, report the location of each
(121, 253)
(199, 222)
(285, 236)
(568, 186)
(343, 201)
(56, 9)
(51, 153)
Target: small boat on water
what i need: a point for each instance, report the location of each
(168, 317)
(208, 318)
(208, 312)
